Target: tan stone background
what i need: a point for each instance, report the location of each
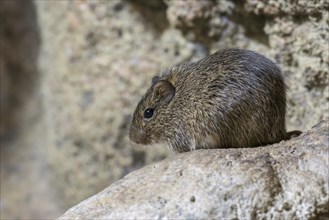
(73, 71)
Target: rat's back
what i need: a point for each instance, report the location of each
(233, 98)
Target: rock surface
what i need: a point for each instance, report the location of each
(288, 180)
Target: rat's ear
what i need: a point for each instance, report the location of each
(164, 90)
(155, 79)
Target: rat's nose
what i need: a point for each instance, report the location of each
(138, 136)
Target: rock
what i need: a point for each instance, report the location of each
(287, 180)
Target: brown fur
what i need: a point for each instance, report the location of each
(233, 98)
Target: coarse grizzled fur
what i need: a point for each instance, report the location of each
(233, 98)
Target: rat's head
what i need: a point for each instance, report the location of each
(151, 115)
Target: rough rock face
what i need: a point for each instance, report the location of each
(288, 180)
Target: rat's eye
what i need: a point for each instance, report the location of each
(148, 113)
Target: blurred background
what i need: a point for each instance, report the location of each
(73, 71)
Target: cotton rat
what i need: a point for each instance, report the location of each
(233, 98)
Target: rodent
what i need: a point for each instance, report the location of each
(233, 98)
